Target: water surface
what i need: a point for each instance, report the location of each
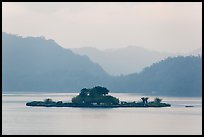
(20, 119)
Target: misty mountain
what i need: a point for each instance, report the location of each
(123, 60)
(37, 64)
(174, 76)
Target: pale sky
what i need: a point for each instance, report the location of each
(169, 27)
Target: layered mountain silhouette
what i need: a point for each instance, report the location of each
(174, 76)
(123, 61)
(38, 64)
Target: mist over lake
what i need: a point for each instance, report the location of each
(101, 68)
(19, 119)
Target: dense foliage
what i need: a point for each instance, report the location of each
(96, 95)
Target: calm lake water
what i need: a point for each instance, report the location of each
(20, 119)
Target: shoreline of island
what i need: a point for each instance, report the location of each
(97, 97)
(56, 104)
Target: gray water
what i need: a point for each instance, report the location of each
(177, 119)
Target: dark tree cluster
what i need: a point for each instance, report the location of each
(98, 95)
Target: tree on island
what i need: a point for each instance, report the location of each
(144, 100)
(98, 95)
(48, 100)
(157, 100)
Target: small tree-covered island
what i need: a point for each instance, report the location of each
(98, 97)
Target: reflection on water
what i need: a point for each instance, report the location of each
(19, 119)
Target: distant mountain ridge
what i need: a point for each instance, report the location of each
(174, 76)
(123, 60)
(37, 64)
(34, 63)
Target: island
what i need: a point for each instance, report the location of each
(98, 97)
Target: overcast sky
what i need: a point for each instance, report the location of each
(169, 27)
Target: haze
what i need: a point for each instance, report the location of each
(168, 27)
